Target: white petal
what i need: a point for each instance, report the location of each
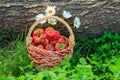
(40, 16)
(78, 22)
(66, 14)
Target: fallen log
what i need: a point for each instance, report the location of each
(96, 15)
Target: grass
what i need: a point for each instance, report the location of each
(96, 58)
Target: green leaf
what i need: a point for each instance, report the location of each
(115, 70)
(11, 78)
(67, 58)
(21, 77)
(53, 75)
(39, 76)
(83, 61)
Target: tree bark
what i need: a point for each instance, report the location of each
(96, 15)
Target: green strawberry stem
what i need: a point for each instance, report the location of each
(62, 46)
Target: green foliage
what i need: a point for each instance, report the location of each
(93, 59)
(115, 67)
(107, 47)
(65, 71)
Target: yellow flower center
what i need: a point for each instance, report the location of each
(75, 22)
(50, 11)
(51, 21)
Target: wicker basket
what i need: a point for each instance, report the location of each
(44, 58)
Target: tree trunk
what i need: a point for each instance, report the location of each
(96, 15)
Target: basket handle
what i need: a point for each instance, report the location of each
(29, 38)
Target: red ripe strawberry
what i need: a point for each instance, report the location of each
(53, 42)
(52, 35)
(43, 36)
(66, 44)
(56, 35)
(36, 40)
(46, 41)
(42, 31)
(40, 46)
(49, 47)
(35, 33)
(42, 41)
(62, 40)
(59, 47)
(49, 36)
(49, 29)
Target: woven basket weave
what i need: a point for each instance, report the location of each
(44, 58)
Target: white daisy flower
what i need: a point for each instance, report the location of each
(40, 16)
(66, 14)
(50, 10)
(52, 21)
(77, 22)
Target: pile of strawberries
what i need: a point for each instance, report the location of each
(49, 39)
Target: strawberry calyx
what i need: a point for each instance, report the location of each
(61, 46)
